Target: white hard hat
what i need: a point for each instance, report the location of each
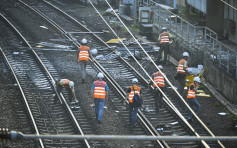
(93, 51)
(197, 79)
(100, 75)
(84, 41)
(134, 80)
(185, 54)
(160, 67)
(71, 84)
(163, 28)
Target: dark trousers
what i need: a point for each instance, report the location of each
(59, 89)
(158, 98)
(133, 113)
(182, 82)
(163, 47)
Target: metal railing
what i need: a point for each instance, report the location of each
(199, 37)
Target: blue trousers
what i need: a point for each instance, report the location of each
(193, 103)
(133, 113)
(99, 106)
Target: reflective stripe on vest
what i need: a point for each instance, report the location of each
(99, 90)
(180, 68)
(84, 53)
(164, 38)
(64, 82)
(159, 80)
(191, 93)
(131, 94)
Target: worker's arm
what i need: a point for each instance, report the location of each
(185, 67)
(141, 97)
(92, 90)
(92, 59)
(73, 93)
(107, 92)
(159, 38)
(78, 55)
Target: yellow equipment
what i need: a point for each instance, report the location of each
(189, 78)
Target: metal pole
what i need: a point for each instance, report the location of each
(135, 12)
(181, 27)
(205, 42)
(131, 137)
(228, 61)
(236, 68)
(188, 32)
(194, 36)
(174, 4)
(220, 56)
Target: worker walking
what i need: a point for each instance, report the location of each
(69, 86)
(133, 109)
(83, 58)
(182, 72)
(159, 80)
(164, 39)
(99, 91)
(192, 101)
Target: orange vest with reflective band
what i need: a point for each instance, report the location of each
(159, 79)
(64, 82)
(99, 90)
(84, 53)
(164, 38)
(180, 68)
(131, 94)
(191, 93)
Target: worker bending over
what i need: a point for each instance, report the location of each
(69, 86)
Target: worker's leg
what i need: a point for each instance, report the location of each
(160, 53)
(101, 108)
(130, 112)
(96, 101)
(182, 82)
(82, 67)
(166, 52)
(134, 116)
(59, 89)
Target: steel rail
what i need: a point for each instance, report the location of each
(93, 34)
(61, 95)
(19, 85)
(113, 82)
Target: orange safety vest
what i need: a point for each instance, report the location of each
(164, 38)
(191, 93)
(131, 94)
(99, 90)
(64, 82)
(159, 79)
(84, 53)
(180, 68)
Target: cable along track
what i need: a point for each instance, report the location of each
(108, 66)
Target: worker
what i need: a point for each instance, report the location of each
(83, 58)
(99, 91)
(165, 41)
(159, 80)
(192, 101)
(182, 72)
(133, 109)
(69, 86)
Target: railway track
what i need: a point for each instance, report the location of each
(118, 83)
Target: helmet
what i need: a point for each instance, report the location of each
(134, 80)
(93, 51)
(71, 84)
(100, 75)
(185, 54)
(163, 28)
(84, 41)
(160, 67)
(197, 79)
